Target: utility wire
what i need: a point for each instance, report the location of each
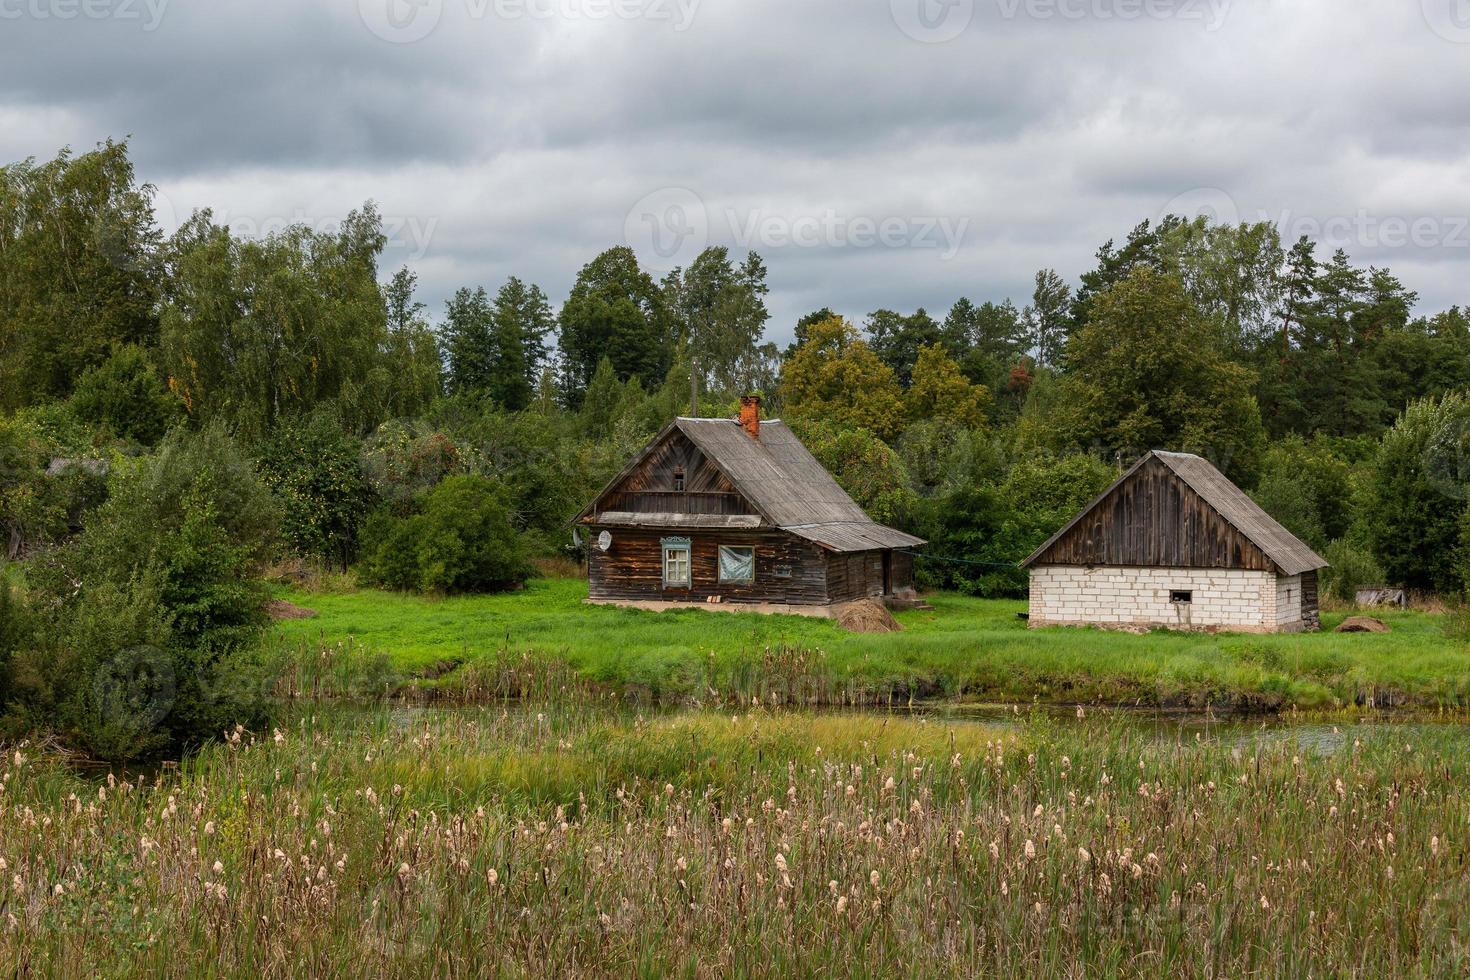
(960, 561)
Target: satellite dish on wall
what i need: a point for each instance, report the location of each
(604, 540)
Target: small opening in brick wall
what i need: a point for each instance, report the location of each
(1179, 596)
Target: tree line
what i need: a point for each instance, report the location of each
(178, 412)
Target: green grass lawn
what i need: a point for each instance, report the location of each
(965, 648)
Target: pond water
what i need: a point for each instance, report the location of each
(1312, 734)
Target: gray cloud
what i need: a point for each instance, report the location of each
(507, 142)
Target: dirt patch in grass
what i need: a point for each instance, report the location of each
(281, 609)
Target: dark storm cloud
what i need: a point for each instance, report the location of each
(991, 137)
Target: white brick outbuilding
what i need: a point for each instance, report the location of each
(1175, 544)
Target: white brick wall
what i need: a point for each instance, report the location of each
(1288, 599)
(1235, 599)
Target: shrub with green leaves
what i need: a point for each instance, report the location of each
(126, 397)
(315, 471)
(148, 620)
(1351, 566)
(1417, 495)
(462, 540)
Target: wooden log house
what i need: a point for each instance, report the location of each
(738, 511)
(1173, 543)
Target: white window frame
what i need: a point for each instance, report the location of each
(677, 554)
(721, 562)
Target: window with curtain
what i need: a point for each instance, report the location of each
(676, 562)
(737, 565)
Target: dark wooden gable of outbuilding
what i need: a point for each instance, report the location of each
(1152, 517)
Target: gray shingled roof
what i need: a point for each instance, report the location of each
(785, 483)
(1286, 550)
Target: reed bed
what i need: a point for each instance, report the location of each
(572, 838)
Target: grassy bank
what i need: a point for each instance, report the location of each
(567, 840)
(964, 648)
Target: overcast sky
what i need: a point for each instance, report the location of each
(877, 153)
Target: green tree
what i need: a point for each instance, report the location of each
(1146, 372)
(523, 322)
(153, 613)
(940, 391)
(836, 377)
(803, 327)
(1308, 488)
(1231, 272)
(719, 311)
(1144, 246)
(413, 350)
(469, 341)
(615, 310)
(79, 269)
(1045, 319)
(863, 465)
(897, 339)
(1416, 496)
(259, 331)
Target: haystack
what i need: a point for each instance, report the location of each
(866, 616)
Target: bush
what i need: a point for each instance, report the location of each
(1352, 566)
(985, 528)
(149, 618)
(125, 396)
(462, 541)
(403, 459)
(37, 507)
(315, 471)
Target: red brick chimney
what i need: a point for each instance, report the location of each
(750, 415)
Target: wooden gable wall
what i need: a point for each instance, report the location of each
(649, 488)
(1155, 519)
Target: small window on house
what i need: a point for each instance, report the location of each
(1178, 596)
(679, 480)
(737, 565)
(676, 562)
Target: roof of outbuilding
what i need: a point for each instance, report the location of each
(784, 482)
(1286, 550)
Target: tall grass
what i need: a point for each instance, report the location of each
(578, 840)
